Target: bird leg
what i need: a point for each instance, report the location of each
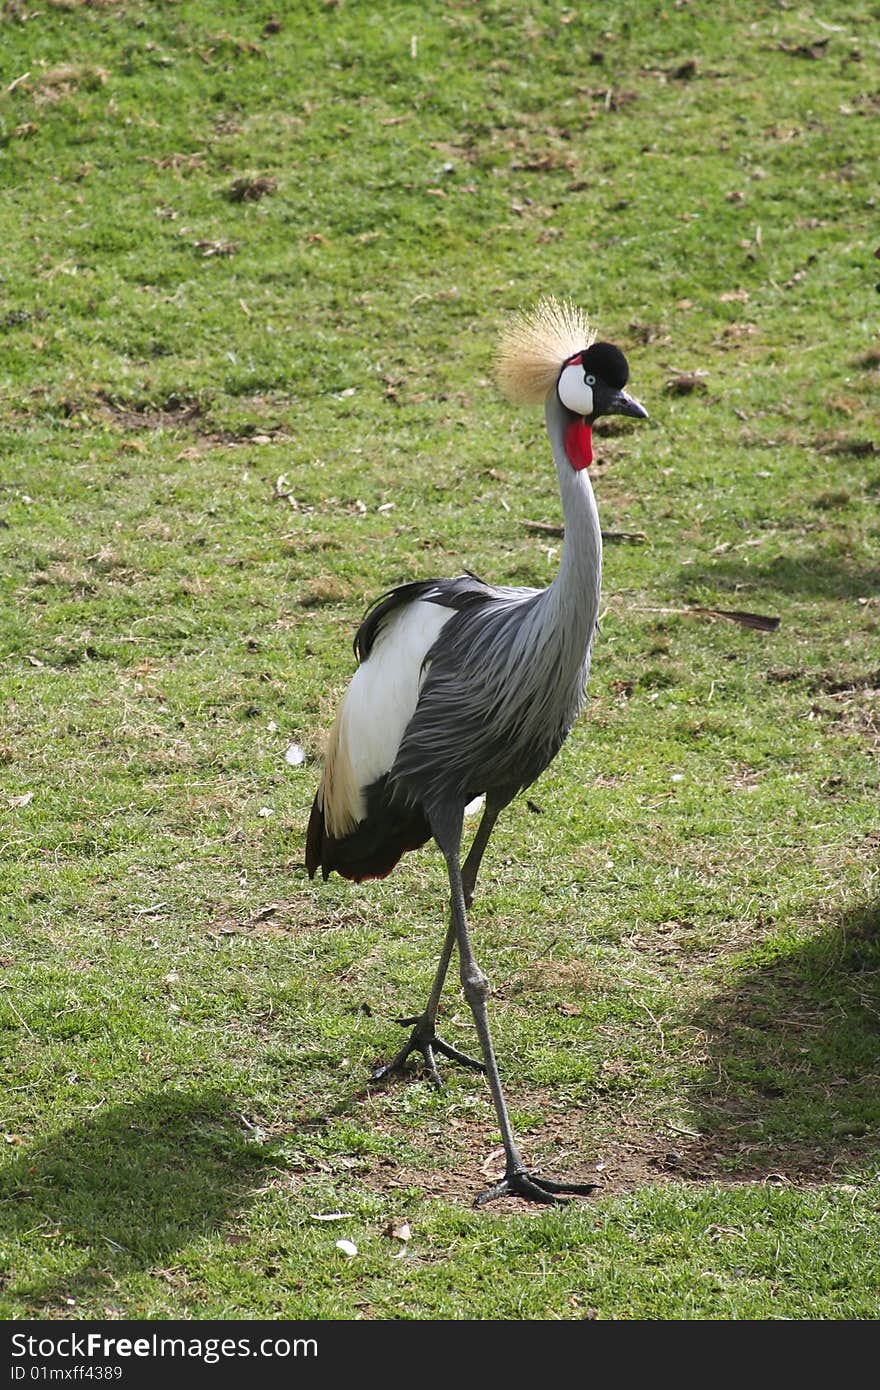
(517, 1180)
(423, 1037)
(471, 865)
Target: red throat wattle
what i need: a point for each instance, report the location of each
(579, 445)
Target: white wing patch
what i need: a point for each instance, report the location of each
(375, 711)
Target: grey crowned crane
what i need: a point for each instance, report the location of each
(466, 689)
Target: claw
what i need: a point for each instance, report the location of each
(520, 1183)
(423, 1039)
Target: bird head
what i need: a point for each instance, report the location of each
(551, 351)
(591, 384)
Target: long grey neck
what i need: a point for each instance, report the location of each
(573, 597)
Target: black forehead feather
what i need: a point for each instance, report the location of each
(608, 362)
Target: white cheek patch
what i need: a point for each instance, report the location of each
(574, 392)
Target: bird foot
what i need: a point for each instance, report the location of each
(424, 1039)
(520, 1183)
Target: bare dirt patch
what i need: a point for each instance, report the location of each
(285, 919)
(173, 412)
(467, 1157)
(177, 412)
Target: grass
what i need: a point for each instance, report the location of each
(251, 278)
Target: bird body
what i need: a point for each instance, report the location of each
(466, 688)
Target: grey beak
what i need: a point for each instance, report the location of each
(622, 404)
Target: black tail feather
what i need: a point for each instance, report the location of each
(315, 837)
(389, 830)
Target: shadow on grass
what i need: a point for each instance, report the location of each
(795, 1060)
(126, 1188)
(816, 575)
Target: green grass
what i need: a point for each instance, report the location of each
(229, 421)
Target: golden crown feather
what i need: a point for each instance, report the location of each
(534, 346)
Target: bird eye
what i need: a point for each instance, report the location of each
(590, 380)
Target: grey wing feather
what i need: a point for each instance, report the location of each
(460, 593)
(502, 690)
